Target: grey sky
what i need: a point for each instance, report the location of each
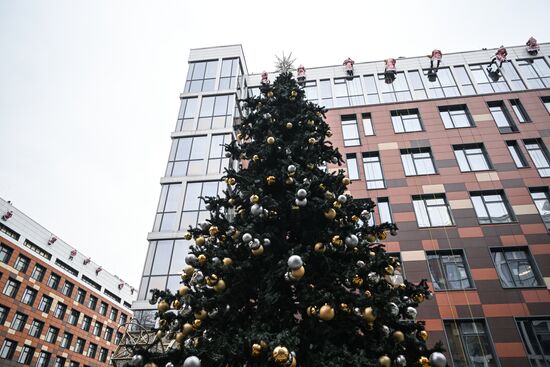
(89, 90)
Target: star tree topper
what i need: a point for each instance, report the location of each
(284, 64)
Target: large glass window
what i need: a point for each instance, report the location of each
(201, 76)
(86, 323)
(80, 295)
(512, 76)
(516, 153)
(464, 80)
(108, 334)
(22, 263)
(170, 197)
(448, 270)
(384, 210)
(67, 340)
(186, 116)
(92, 302)
(25, 357)
(4, 311)
(456, 116)
(442, 86)
(367, 124)
(471, 157)
(469, 344)
(29, 296)
(217, 161)
(229, 73)
(350, 130)
(406, 121)
(53, 281)
(103, 354)
(539, 155)
(19, 321)
(187, 156)
(541, 198)
(535, 333)
(38, 272)
(51, 335)
(519, 110)
(371, 89)
(92, 349)
(348, 92)
(67, 289)
(73, 317)
(373, 170)
(535, 72)
(98, 326)
(417, 86)
(45, 304)
(36, 328)
(502, 117)
(8, 348)
(353, 171)
(11, 288)
(398, 91)
(326, 93)
(546, 102)
(310, 88)
(79, 346)
(432, 210)
(60, 310)
(417, 161)
(491, 207)
(43, 359)
(216, 112)
(193, 207)
(515, 267)
(484, 82)
(5, 253)
(103, 306)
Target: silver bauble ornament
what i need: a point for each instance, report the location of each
(216, 260)
(256, 209)
(352, 240)
(385, 331)
(192, 362)
(411, 312)
(302, 193)
(373, 277)
(295, 262)
(438, 359)
(400, 361)
(334, 160)
(137, 361)
(247, 237)
(190, 259)
(393, 309)
(291, 168)
(342, 199)
(301, 202)
(360, 263)
(169, 364)
(267, 242)
(255, 244)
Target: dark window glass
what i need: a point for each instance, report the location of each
(515, 267)
(36, 328)
(353, 171)
(469, 344)
(92, 302)
(97, 328)
(519, 111)
(124, 318)
(38, 272)
(25, 357)
(539, 155)
(45, 304)
(546, 102)
(51, 335)
(118, 337)
(516, 154)
(92, 349)
(350, 130)
(418, 161)
(535, 334)
(4, 311)
(67, 340)
(11, 288)
(43, 359)
(502, 117)
(29, 296)
(22, 263)
(405, 121)
(471, 157)
(60, 310)
(108, 334)
(5, 253)
(103, 354)
(432, 210)
(448, 270)
(455, 117)
(19, 321)
(60, 361)
(53, 281)
(67, 288)
(79, 346)
(86, 323)
(80, 295)
(491, 207)
(113, 315)
(8, 348)
(103, 309)
(73, 317)
(373, 171)
(541, 198)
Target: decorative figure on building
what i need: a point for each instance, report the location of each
(435, 58)
(348, 66)
(532, 46)
(265, 78)
(301, 74)
(98, 270)
(390, 72)
(121, 284)
(7, 215)
(72, 254)
(132, 290)
(52, 240)
(87, 261)
(498, 59)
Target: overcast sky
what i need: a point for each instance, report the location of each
(89, 90)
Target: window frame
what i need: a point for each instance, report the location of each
(350, 121)
(463, 148)
(527, 335)
(506, 203)
(532, 263)
(519, 111)
(423, 198)
(511, 125)
(513, 145)
(38, 327)
(406, 112)
(14, 286)
(543, 151)
(449, 109)
(367, 155)
(24, 260)
(415, 151)
(546, 192)
(21, 320)
(26, 354)
(367, 123)
(38, 272)
(10, 352)
(352, 157)
(48, 301)
(449, 252)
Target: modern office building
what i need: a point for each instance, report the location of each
(459, 161)
(57, 307)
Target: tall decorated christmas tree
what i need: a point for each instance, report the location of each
(287, 271)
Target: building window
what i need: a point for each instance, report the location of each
(464, 80)
(201, 76)
(216, 112)
(103, 354)
(217, 161)
(51, 335)
(187, 156)
(406, 121)
(432, 210)
(113, 314)
(502, 117)
(448, 270)
(229, 72)
(350, 130)
(45, 304)
(471, 157)
(546, 102)
(36, 328)
(348, 92)
(485, 83)
(39, 250)
(326, 93)
(11, 288)
(469, 344)
(118, 337)
(86, 323)
(80, 296)
(60, 310)
(456, 116)
(516, 154)
(67, 340)
(539, 155)
(367, 124)
(417, 161)
(67, 289)
(103, 308)
(535, 333)
(519, 111)
(384, 210)
(108, 333)
(310, 88)
(353, 171)
(193, 208)
(4, 311)
(73, 317)
(373, 171)
(43, 359)
(170, 198)
(97, 328)
(53, 281)
(491, 207)
(123, 319)
(92, 302)
(10, 233)
(442, 86)
(535, 72)
(19, 321)
(419, 91)
(371, 89)
(541, 198)
(22, 263)
(8, 348)
(515, 267)
(66, 267)
(5, 253)
(60, 361)
(38, 272)
(398, 91)
(79, 346)
(26, 355)
(92, 349)
(74, 364)
(29, 296)
(186, 116)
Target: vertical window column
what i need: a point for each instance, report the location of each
(170, 197)
(373, 170)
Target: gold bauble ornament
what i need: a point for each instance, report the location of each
(254, 199)
(187, 329)
(150, 364)
(176, 304)
(256, 350)
(227, 261)
(329, 195)
(382, 235)
(163, 306)
(200, 241)
(188, 236)
(419, 297)
(310, 122)
(354, 218)
(255, 157)
(346, 181)
(269, 94)
(293, 93)
(239, 136)
(310, 166)
(220, 286)
(162, 323)
(232, 202)
(322, 187)
(270, 140)
(328, 133)
(368, 314)
(201, 258)
(384, 361)
(298, 273)
(423, 335)
(368, 294)
(311, 141)
(258, 251)
(330, 214)
(212, 279)
(389, 270)
(271, 180)
(180, 337)
(336, 241)
(289, 125)
(402, 286)
(344, 307)
(319, 247)
(312, 311)
(242, 156)
(212, 231)
(398, 336)
(183, 290)
(318, 114)
(294, 363)
(236, 235)
(289, 181)
(197, 324)
(201, 315)
(231, 181)
(424, 361)
(357, 281)
(326, 312)
(280, 354)
(371, 238)
(337, 204)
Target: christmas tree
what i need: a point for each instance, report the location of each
(287, 271)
